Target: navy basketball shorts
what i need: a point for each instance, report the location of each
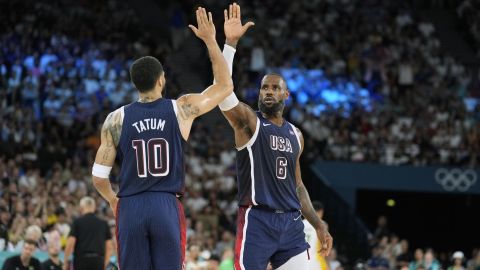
(151, 232)
(264, 236)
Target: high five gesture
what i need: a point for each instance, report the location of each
(206, 28)
(233, 27)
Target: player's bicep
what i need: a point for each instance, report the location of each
(298, 171)
(192, 106)
(107, 151)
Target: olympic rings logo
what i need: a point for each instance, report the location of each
(456, 179)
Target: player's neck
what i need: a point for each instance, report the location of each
(276, 118)
(149, 97)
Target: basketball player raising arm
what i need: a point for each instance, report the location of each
(273, 145)
(189, 107)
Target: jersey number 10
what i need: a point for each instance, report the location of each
(154, 157)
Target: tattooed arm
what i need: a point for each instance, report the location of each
(308, 211)
(111, 130)
(193, 105)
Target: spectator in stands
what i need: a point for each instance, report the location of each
(24, 261)
(430, 262)
(53, 262)
(34, 233)
(227, 259)
(377, 261)
(382, 229)
(457, 258)
(193, 258)
(418, 259)
(405, 256)
(474, 263)
(213, 263)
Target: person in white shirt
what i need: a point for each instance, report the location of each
(316, 262)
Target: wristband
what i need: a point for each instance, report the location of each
(101, 171)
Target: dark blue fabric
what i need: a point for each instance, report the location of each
(274, 237)
(152, 129)
(274, 157)
(149, 232)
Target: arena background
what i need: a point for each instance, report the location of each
(385, 93)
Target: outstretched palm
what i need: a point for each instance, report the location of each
(233, 27)
(206, 28)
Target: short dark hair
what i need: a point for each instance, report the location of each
(317, 205)
(145, 73)
(31, 242)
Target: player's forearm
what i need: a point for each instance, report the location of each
(104, 187)
(221, 73)
(228, 54)
(307, 208)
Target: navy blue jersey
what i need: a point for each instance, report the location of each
(152, 149)
(266, 167)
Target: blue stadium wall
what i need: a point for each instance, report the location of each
(346, 178)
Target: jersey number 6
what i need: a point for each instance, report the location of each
(281, 168)
(157, 152)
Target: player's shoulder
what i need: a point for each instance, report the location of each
(295, 129)
(120, 111)
(115, 116)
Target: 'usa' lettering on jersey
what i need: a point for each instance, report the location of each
(266, 166)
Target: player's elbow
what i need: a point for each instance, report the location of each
(225, 83)
(98, 182)
(227, 87)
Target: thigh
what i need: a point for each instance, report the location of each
(167, 234)
(292, 241)
(255, 241)
(299, 261)
(132, 238)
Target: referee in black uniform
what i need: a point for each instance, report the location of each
(89, 240)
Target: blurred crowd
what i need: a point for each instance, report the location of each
(59, 78)
(391, 252)
(422, 114)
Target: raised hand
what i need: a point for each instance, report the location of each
(206, 28)
(233, 27)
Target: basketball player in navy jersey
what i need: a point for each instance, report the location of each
(272, 196)
(150, 135)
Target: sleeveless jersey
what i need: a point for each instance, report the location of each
(266, 167)
(152, 149)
